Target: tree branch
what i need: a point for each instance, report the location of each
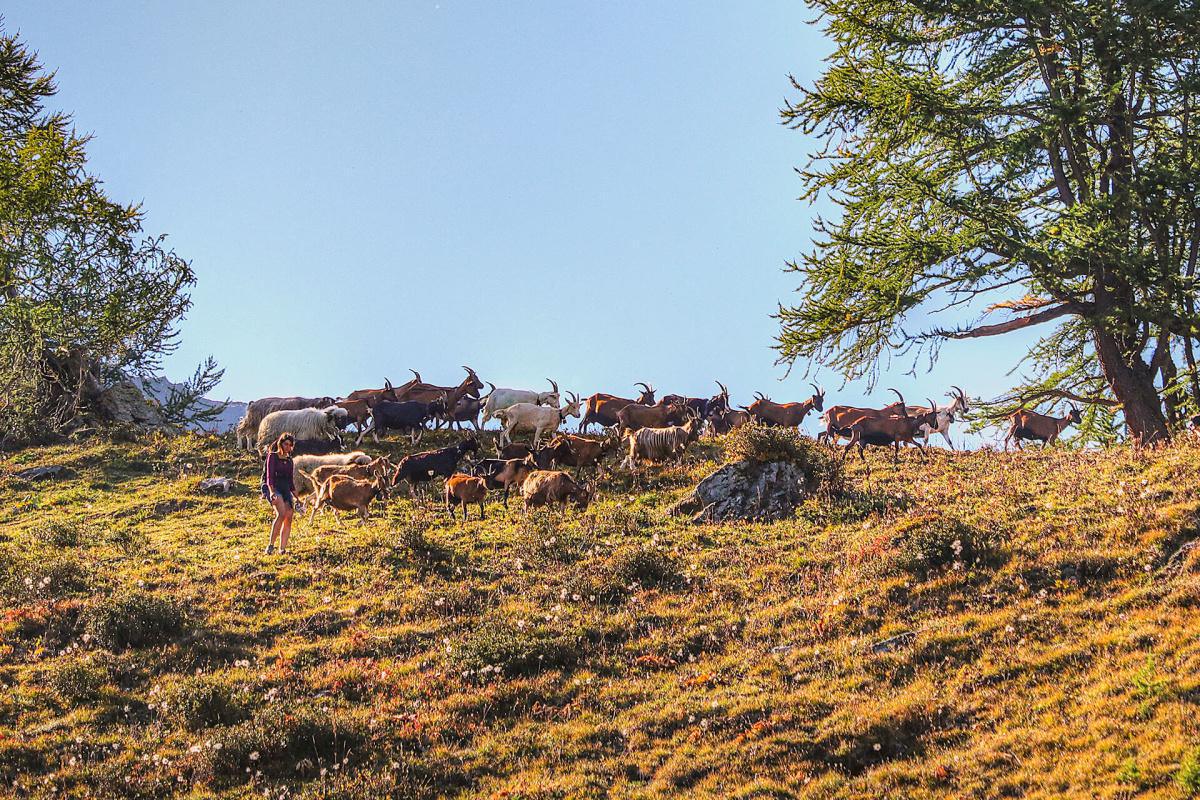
(1012, 324)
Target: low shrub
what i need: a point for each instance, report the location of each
(931, 544)
(754, 442)
(134, 619)
(78, 681)
(506, 649)
(1188, 775)
(202, 701)
(42, 574)
(279, 741)
(64, 533)
(645, 565)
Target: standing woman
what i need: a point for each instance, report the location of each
(278, 490)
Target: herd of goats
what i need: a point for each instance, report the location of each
(651, 430)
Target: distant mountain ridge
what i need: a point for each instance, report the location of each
(160, 388)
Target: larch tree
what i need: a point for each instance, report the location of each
(87, 301)
(1003, 166)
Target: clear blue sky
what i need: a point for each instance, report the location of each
(596, 192)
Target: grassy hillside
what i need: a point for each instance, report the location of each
(981, 626)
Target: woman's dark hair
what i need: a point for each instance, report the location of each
(277, 447)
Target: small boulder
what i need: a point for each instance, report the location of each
(754, 491)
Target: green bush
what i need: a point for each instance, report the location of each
(200, 702)
(1188, 775)
(293, 741)
(42, 574)
(498, 647)
(646, 565)
(78, 681)
(134, 619)
(938, 542)
(754, 442)
(64, 533)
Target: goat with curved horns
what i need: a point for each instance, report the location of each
(1037, 427)
(539, 419)
(501, 398)
(888, 430)
(788, 415)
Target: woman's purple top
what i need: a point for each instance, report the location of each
(277, 474)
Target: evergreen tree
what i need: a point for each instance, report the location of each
(1031, 163)
(86, 299)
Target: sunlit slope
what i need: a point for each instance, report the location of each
(978, 626)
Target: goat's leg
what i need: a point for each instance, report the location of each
(481, 516)
(946, 436)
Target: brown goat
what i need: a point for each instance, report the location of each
(569, 450)
(660, 415)
(343, 493)
(884, 431)
(1038, 427)
(465, 489)
(787, 415)
(543, 487)
(376, 468)
(603, 408)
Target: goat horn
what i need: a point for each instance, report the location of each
(816, 388)
(932, 405)
(960, 391)
(644, 386)
(903, 405)
(724, 391)
(416, 374)
(555, 385)
(387, 383)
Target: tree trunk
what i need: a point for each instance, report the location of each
(1133, 383)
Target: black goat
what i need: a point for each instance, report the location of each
(424, 467)
(318, 447)
(407, 415)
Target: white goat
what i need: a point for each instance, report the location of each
(303, 423)
(502, 398)
(539, 419)
(945, 416)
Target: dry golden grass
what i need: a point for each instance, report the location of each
(984, 625)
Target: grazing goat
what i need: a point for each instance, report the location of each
(465, 489)
(1038, 427)
(539, 419)
(884, 431)
(603, 408)
(660, 444)
(318, 447)
(568, 450)
(660, 415)
(304, 466)
(343, 493)
(424, 467)
(543, 487)
(724, 421)
(787, 415)
(303, 423)
(502, 398)
(256, 410)
(406, 416)
(504, 474)
(702, 406)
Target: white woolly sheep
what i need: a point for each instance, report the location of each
(303, 423)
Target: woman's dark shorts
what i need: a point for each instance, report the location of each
(286, 495)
